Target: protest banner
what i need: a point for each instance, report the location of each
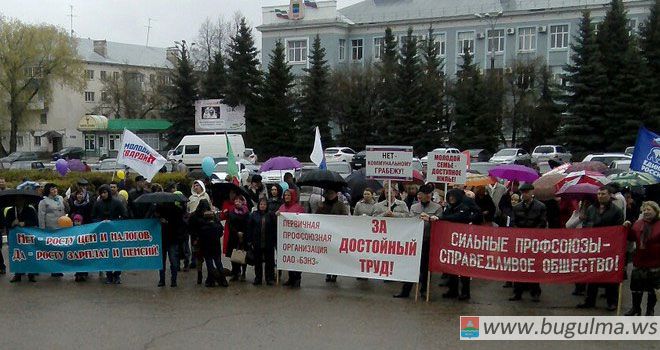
(356, 246)
(120, 245)
(582, 255)
(389, 163)
(646, 157)
(447, 168)
(139, 156)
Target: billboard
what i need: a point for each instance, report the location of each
(214, 116)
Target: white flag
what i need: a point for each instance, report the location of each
(318, 157)
(139, 156)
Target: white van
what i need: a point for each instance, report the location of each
(193, 148)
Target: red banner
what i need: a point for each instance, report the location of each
(529, 255)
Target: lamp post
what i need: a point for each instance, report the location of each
(491, 18)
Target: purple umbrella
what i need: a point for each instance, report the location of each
(280, 163)
(579, 191)
(514, 172)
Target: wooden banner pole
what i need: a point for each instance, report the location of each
(619, 302)
(416, 291)
(428, 286)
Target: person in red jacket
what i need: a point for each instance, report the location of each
(291, 205)
(645, 277)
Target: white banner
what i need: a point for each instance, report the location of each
(389, 162)
(449, 168)
(355, 246)
(139, 156)
(214, 116)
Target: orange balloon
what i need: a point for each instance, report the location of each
(64, 221)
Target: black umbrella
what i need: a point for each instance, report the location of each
(322, 178)
(358, 181)
(8, 198)
(161, 197)
(220, 193)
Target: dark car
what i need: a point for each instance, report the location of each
(18, 156)
(359, 160)
(69, 152)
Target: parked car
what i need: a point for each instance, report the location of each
(629, 150)
(220, 171)
(339, 154)
(424, 159)
(479, 155)
(359, 160)
(250, 155)
(16, 156)
(69, 152)
(343, 168)
(511, 156)
(27, 165)
(606, 158)
(544, 153)
(109, 165)
(620, 164)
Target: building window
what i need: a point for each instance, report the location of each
(559, 36)
(104, 96)
(37, 140)
(379, 47)
(632, 26)
(19, 141)
(297, 51)
(89, 96)
(104, 75)
(466, 42)
(441, 42)
(357, 49)
(114, 141)
(342, 49)
(89, 74)
(496, 40)
(90, 142)
(115, 75)
(527, 39)
(43, 118)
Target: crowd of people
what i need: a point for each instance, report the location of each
(244, 220)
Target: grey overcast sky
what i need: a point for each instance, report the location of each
(126, 20)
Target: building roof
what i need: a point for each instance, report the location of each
(374, 11)
(138, 124)
(124, 54)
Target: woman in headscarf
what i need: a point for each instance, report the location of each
(198, 193)
(645, 276)
(237, 219)
(291, 205)
(262, 239)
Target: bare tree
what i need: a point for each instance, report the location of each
(131, 95)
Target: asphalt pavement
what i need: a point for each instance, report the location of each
(350, 314)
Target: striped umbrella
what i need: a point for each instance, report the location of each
(583, 177)
(633, 179)
(544, 187)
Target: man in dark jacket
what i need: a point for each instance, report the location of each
(171, 220)
(108, 208)
(529, 213)
(138, 211)
(262, 240)
(21, 215)
(460, 209)
(332, 206)
(602, 214)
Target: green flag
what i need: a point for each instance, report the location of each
(232, 168)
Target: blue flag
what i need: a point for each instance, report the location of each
(646, 157)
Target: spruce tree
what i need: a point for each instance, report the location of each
(433, 96)
(215, 79)
(314, 108)
(244, 77)
(468, 104)
(276, 103)
(181, 98)
(582, 129)
(411, 126)
(650, 50)
(619, 57)
(386, 87)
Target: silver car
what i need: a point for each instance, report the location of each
(544, 153)
(511, 156)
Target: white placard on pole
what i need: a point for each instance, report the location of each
(389, 163)
(446, 168)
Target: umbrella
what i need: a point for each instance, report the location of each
(633, 178)
(545, 186)
(418, 178)
(479, 180)
(8, 198)
(514, 172)
(583, 177)
(280, 163)
(220, 193)
(559, 170)
(322, 178)
(590, 166)
(578, 192)
(358, 181)
(28, 185)
(161, 197)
